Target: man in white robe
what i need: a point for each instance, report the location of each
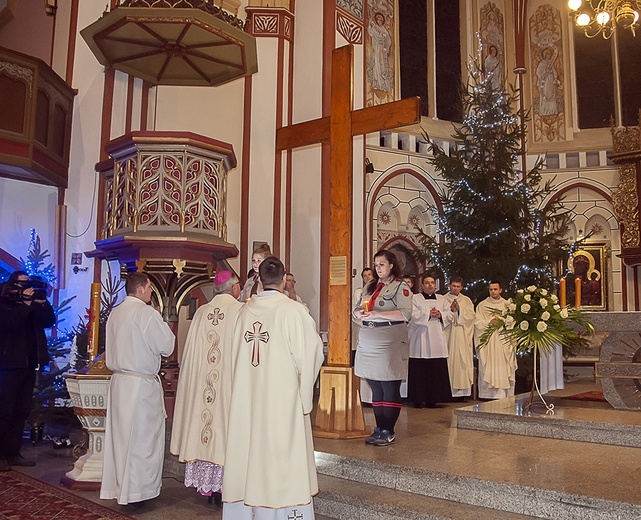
(497, 359)
(459, 333)
(199, 433)
(134, 450)
(428, 382)
(270, 471)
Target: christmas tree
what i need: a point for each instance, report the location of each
(493, 224)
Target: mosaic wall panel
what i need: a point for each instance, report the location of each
(380, 52)
(548, 82)
(492, 33)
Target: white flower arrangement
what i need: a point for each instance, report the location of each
(534, 320)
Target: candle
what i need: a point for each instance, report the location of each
(366, 306)
(562, 292)
(577, 291)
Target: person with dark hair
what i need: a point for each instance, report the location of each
(277, 354)
(384, 309)
(428, 382)
(497, 359)
(136, 338)
(24, 314)
(199, 433)
(253, 285)
(459, 334)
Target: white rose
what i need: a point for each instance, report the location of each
(541, 326)
(525, 308)
(554, 298)
(564, 313)
(556, 307)
(520, 291)
(531, 288)
(544, 292)
(543, 302)
(524, 325)
(511, 307)
(509, 319)
(545, 316)
(509, 326)
(527, 297)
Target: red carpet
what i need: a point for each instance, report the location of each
(593, 395)
(23, 497)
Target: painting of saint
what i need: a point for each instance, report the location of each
(494, 68)
(547, 82)
(379, 64)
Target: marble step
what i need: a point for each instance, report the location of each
(343, 499)
(584, 422)
(506, 497)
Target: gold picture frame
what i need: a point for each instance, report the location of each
(589, 264)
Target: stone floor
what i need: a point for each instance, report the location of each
(428, 439)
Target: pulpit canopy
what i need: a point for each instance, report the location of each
(200, 45)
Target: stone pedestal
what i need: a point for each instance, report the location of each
(89, 396)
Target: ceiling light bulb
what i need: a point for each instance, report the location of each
(602, 17)
(583, 20)
(574, 4)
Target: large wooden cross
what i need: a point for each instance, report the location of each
(339, 406)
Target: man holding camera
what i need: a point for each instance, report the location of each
(24, 314)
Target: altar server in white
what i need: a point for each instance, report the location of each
(427, 381)
(270, 471)
(459, 334)
(497, 359)
(136, 338)
(199, 433)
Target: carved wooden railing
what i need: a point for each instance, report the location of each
(167, 182)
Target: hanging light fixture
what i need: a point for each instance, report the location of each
(602, 16)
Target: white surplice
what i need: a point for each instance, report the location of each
(459, 333)
(204, 388)
(277, 354)
(425, 334)
(497, 359)
(136, 338)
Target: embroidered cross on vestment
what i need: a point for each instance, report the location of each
(215, 316)
(256, 336)
(295, 515)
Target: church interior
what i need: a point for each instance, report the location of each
(175, 136)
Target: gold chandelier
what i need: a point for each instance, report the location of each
(602, 16)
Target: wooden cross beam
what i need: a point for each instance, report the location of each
(338, 129)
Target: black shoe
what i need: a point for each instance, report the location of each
(19, 460)
(372, 438)
(418, 404)
(385, 439)
(4, 465)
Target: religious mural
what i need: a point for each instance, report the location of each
(492, 43)
(546, 61)
(380, 52)
(354, 7)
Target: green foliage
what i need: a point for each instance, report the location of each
(494, 223)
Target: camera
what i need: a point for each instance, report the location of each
(14, 291)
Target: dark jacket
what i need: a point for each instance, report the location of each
(23, 342)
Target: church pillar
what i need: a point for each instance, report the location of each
(266, 217)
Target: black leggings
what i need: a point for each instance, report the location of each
(386, 402)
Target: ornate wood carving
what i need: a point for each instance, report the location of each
(625, 201)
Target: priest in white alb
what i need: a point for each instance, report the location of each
(199, 433)
(270, 472)
(459, 334)
(136, 339)
(497, 359)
